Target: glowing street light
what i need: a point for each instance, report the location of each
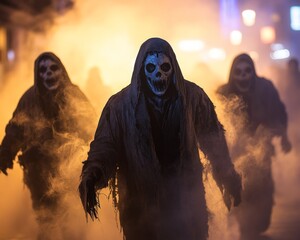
(249, 17)
(267, 34)
(295, 18)
(236, 37)
(191, 45)
(280, 54)
(217, 53)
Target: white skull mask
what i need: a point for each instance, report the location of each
(158, 70)
(50, 74)
(243, 74)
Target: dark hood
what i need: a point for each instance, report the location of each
(37, 83)
(52, 101)
(240, 58)
(154, 45)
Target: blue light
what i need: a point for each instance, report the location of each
(230, 17)
(295, 18)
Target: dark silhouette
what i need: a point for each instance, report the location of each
(97, 92)
(258, 115)
(291, 88)
(50, 118)
(146, 149)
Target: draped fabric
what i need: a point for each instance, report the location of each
(45, 129)
(258, 116)
(151, 159)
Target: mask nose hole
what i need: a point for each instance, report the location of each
(158, 74)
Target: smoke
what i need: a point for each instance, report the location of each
(248, 153)
(107, 35)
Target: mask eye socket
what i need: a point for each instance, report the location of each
(150, 67)
(248, 70)
(54, 67)
(237, 71)
(165, 67)
(43, 69)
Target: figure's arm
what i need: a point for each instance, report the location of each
(212, 142)
(11, 144)
(101, 164)
(278, 118)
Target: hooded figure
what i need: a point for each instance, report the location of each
(146, 149)
(50, 118)
(258, 115)
(290, 87)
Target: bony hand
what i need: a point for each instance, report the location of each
(230, 200)
(285, 144)
(237, 199)
(4, 165)
(232, 188)
(2, 169)
(88, 197)
(6, 161)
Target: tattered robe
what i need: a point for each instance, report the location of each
(43, 123)
(265, 117)
(158, 187)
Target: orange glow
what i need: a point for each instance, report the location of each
(108, 34)
(267, 35)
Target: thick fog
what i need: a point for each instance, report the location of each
(98, 41)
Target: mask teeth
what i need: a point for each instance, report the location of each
(160, 85)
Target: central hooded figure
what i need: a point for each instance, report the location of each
(146, 148)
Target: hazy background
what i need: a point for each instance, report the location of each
(107, 35)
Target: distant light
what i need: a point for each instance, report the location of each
(236, 37)
(276, 17)
(191, 45)
(229, 15)
(267, 34)
(10, 55)
(280, 54)
(295, 18)
(217, 53)
(249, 17)
(277, 46)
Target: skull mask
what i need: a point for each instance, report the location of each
(243, 74)
(50, 74)
(158, 71)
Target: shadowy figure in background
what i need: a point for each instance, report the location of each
(291, 88)
(257, 115)
(96, 91)
(146, 150)
(293, 72)
(52, 119)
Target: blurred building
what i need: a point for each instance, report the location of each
(268, 29)
(17, 18)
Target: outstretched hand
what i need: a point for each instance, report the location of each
(3, 170)
(4, 165)
(89, 198)
(5, 161)
(232, 189)
(231, 199)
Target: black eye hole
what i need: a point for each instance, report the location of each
(54, 67)
(237, 71)
(150, 67)
(248, 70)
(43, 69)
(165, 67)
